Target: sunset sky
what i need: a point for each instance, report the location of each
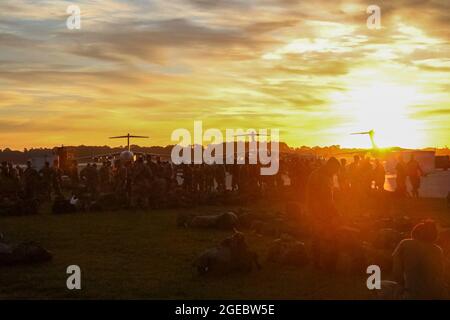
(309, 68)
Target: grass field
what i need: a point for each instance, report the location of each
(143, 255)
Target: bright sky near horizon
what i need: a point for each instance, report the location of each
(312, 69)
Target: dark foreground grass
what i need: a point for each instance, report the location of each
(143, 255)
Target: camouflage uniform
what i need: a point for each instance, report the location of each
(105, 176)
(31, 181)
(56, 179)
(140, 183)
(219, 175)
(46, 180)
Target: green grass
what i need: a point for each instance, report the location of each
(143, 255)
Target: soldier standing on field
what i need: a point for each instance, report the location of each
(56, 178)
(46, 178)
(140, 183)
(31, 179)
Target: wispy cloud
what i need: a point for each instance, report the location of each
(154, 66)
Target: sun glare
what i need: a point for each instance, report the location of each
(384, 108)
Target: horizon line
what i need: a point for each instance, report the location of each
(171, 145)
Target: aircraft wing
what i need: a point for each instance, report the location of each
(120, 137)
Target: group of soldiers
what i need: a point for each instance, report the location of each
(364, 175)
(416, 259)
(28, 182)
(361, 174)
(149, 182)
(21, 189)
(356, 188)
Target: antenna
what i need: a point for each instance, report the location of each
(128, 136)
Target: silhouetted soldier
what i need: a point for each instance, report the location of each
(353, 173)
(93, 178)
(199, 178)
(168, 172)
(209, 177)
(73, 174)
(343, 180)
(234, 171)
(253, 178)
(31, 179)
(299, 176)
(379, 175)
(12, 173)
(140, 183)
(120, 180)
(414, 172)
(419, 264)
(195, 178)
(277, 178)
(19, 171)
(46, 179)
(153, 166)
(8, 181)
(105, 176)
(83, 172)
(187, 177)
(244, 178)
(323, 214)
(219, 175)
(401, 176)
(366, 177)
(4, 170)
(14, 178)
(56, 177)
(90, 175)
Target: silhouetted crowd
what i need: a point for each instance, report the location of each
(23, 189)
(416, 253)
(152, 183)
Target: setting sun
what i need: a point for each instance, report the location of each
(384, 108)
